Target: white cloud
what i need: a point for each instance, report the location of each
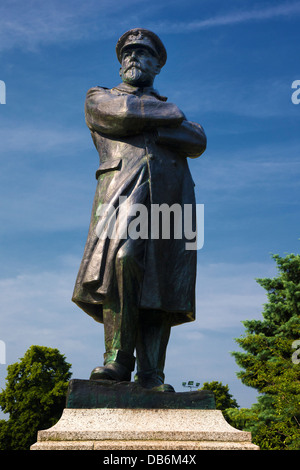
(30, 24)
(257, 14)
(36, 309)
(52, 192)
(33, 22)
(227, 294)
(249, 173)
(47, 202)
(35, 138)
(259, 98)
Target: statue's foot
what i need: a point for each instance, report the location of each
(111, 371)
(163, 388)
(153, 382)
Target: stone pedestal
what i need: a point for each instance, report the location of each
(142, 429)
(152, 421)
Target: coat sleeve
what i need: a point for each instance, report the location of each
(188, 139)
(121, 115)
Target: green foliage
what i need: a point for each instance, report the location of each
(270, 430)
(34, 396)
(267, 363)
(223, 398)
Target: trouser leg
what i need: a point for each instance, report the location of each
(152, 339)
(121, 312)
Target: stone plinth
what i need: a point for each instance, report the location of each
(107, 415)
(142, 429)
(109, 394)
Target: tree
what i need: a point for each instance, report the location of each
(223, 398)
(268, 361)
(34, 396)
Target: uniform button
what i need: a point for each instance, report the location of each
(151, 156)
(174, 162)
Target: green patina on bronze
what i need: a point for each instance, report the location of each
(108, 394)
(138, 288)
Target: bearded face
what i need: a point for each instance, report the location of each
(139, 66)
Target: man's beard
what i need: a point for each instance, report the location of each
(134, 76)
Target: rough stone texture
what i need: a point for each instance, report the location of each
(110, 394)
(143, 445)
(130, 429)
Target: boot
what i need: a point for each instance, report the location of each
(154, 380)
(117, 366)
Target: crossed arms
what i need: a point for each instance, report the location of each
(125, 115)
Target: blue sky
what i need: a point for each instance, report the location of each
(230, 67)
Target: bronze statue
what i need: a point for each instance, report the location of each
(138, 287)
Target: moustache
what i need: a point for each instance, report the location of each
(134, 65)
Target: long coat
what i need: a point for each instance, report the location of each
(143, 144)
